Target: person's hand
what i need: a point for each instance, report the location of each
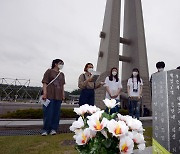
(90, 79)
(44, 97)
(139, 97)
(102, 83)
(63, 97)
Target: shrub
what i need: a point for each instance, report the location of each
(36, 114)
(67, 113)
(24, 114)
(123, 112)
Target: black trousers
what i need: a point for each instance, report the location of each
(86, 97)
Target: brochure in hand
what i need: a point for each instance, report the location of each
(94, 78)
(95, 75)
(44, 102)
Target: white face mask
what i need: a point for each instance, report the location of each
(160, 69)
(60, 66)
(114, 73)
(135, 73)
(90, 70)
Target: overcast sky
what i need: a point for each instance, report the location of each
(34, 32)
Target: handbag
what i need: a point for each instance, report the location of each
(47, 101)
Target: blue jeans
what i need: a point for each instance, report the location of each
(134, 108)
(86, 97)
(51, 115)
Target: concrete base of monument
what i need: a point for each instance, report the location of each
(147, 150)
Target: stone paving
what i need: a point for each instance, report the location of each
(9, 127)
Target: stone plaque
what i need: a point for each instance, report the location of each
(166, 109)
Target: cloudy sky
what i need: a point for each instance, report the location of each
(34, 32)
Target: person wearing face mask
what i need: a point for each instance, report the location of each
(134, 89)
(54, 92)
(113, 87)
(87, 86)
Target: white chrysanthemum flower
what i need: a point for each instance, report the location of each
(92, 133)
(81, 110)
(136, 137)
(126, 118)
(83, 136)
(77, 124)
(135, 124)
(98, 115)
(110, 103)
(117, 128)
(95, 123)
(126, 145)
(93, 109)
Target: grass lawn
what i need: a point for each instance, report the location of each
(48, 144)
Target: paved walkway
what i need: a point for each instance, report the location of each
(28, 122)
(39, 122)
(11, 127)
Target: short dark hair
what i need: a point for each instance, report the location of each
(56, 61)
(160, 64)
(178, 67)
(85, 68)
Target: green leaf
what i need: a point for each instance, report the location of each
(114, 115)
(107, 143)
(107, 116)
(104, 150)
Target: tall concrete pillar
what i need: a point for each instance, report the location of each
(109, 47)
(135, 49)
(134, 46)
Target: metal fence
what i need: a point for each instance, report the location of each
(18, 90)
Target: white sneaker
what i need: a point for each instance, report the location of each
(53, 132)
(44, 134)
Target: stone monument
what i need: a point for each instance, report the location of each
(134, 46)
(166, 111)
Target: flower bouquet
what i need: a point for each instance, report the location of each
(99, 132)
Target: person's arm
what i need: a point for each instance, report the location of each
(106, 82)
(119, 89)
(99, 84)
(118, 92)
(108, 91)
(45, 82)
(141, 89)
(128, 90)
(82, 82)
(140, 92)
(44, 97)
(63, 93)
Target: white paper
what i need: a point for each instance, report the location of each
(44, 102)
(95, 73)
